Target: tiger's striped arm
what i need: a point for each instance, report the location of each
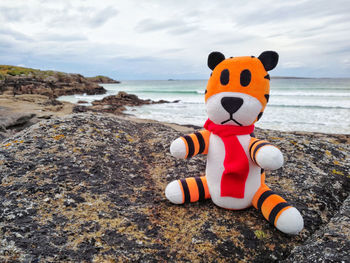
(190, 145)
(265, 155)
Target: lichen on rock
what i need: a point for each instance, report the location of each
(89, 187)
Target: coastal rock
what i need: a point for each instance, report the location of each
(329, 244)
(103, 80)
(11, 122)
(21, 111)
(17, 81)
(90, 188)
(116, 103)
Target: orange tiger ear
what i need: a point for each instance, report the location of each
(214, 59)
(269, 59)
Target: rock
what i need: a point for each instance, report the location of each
(49, 83)
(21, 111)
(123, 99)
(82, 102)
(14, 120)
(46, 117)
(116, 103)
(80, 108)
(90, 187)
(102, 79)
(329, 244)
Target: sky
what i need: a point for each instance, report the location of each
(162, 39)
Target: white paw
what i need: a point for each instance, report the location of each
(173, 193)
(178, 148)
(290, 221)
(269, 157)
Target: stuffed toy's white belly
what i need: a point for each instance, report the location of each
(215, 169)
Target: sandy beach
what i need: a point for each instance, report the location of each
(40, 105)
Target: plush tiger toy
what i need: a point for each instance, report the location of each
(235, 98)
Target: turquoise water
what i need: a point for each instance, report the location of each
(319, 105)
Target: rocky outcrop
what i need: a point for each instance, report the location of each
(116, 103)
(17, 81)
(330, 243)
(11, 122)
(90, 188)
(103, 80)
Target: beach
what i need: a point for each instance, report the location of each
(86, 183)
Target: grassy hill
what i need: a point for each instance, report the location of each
(12, 71)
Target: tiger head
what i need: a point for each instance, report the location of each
(238, 88)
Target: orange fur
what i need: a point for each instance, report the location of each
(258, 86)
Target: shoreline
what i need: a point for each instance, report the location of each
(45, 108)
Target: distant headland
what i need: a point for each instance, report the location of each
(20, 80)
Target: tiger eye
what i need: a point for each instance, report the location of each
(225, 77)
(246, 77)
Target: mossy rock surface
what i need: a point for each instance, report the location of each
(90, 188)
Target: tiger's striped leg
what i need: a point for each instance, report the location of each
(277, 211)
(187, 190)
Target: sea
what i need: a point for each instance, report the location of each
(313, 105)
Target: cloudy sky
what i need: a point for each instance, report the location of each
(161, 39)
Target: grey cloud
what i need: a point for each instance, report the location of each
(341, 50)
(102, 16)
(14, 34)
(175, 26)
(183, 30)
(5, 43)
(234, 39)
(62, 38)
(293, 11)
(51, 15)
(311, 32)
(170, 51)
(9, 14)
(89, 16)
(150, 24)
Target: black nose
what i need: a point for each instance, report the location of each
(231, 104)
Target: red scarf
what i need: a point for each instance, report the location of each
(236, 163)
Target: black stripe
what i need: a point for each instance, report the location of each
(190, 146)
(257, 148)
(200, 189)
(201, 142)
(263, 197)
(186, 190)
(251, 146)
(267, 97)
(267, 77)
(276, 210)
